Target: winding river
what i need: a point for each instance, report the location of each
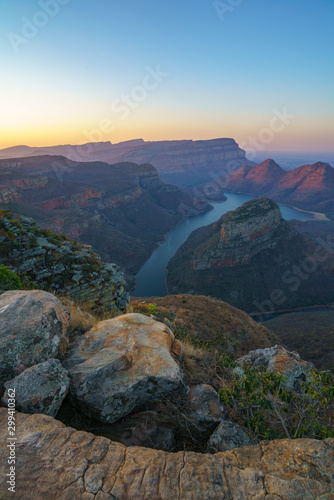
(151, 278)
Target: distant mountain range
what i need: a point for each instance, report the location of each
(254, 260)
(122, 210)
(309, 187)
(183, 163)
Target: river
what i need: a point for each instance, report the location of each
(150, 281)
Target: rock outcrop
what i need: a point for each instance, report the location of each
(254, 260)
(129, 359)
(60, 265)
(39, 389)
(54, 461)
(279, 360)
(204, 410)
(32, 329)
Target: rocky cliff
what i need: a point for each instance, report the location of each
(57, 264)
(255, 260)
(122, 210)
(310, 187)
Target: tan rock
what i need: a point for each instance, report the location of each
(122, 363)
(57, 462)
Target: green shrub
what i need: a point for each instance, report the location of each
(261, 403)
(151, 309)
(9, 280)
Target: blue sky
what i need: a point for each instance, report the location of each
(226, 73)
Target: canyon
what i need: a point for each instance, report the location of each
(122, 210)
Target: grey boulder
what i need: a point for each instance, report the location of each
(32, 329)
(228, 436)
(39, 389)
(279, 360)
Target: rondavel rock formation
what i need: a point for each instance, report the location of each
(310, 187)
(255, 260)
(53, 460)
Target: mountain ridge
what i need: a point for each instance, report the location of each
(185, 163)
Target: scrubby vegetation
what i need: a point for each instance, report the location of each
(258, 400)
(9, 280)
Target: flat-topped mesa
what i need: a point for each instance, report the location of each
(255, 226)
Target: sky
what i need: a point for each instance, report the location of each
(259, 71)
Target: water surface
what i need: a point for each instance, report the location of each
(151, 278)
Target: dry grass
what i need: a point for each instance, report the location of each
(203, 366)
(208, 323)
(193, 358)
(83, 318)
(81, 321)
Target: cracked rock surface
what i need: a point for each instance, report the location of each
(54, 461)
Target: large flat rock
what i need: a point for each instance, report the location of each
(57, 462)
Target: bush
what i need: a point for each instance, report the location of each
(151, 309)
(259, 400)
(9, 280)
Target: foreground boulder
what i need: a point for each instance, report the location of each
(228, 436)
(32, 329)
(58, 462)
(122, 363)
(279, 360)
(39, 389)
